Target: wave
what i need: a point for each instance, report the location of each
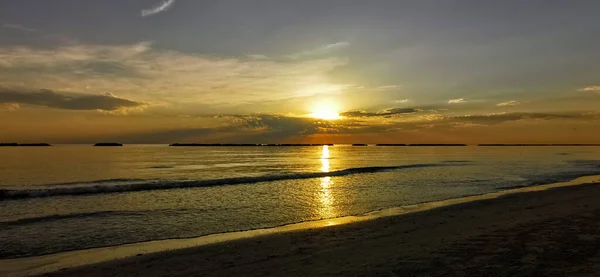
(162, 166)
(58, 217)
(164, 185)
(106, 181)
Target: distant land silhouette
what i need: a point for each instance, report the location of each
(391, 144)
(555, 144)
(243, 144)
(9, 144)
(301, 144)
(15, 144)
(108, 144)
(24, 144)
(421, 144)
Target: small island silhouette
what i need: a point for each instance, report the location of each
(14, 144)
(108, 144)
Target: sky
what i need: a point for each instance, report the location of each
(290, 71)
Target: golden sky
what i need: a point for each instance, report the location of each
(335, 72)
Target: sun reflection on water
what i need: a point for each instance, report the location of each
(326, 209)
(325, 159)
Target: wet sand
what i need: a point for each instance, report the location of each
(542, 233)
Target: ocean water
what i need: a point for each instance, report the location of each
(69, 197)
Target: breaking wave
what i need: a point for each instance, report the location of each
(95, 188)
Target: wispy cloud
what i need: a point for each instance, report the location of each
(498, 118)
(164, 6)
(402, 101)
(387, 88)
(141, 72)
(591, 89)
(19, 27)
(40, 33)
(323, 50)
(509, 103)
(258, 56)
(457, 101)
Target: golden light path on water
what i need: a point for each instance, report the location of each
(325, 196)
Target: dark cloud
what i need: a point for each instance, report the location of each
(272, 128)
(51, 99)
(449, 122)
(357, 114)
(492, 119)
(446, 122)
(283, 125)
(260, 128)
(384, 113)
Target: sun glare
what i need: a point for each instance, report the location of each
(325, 110)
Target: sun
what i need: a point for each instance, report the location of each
(325, 110)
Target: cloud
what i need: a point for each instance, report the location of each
(139, 71)
(509, 103)
(275, 128)
(110, 94)
(375, 124)
(591, 89)
(164, 6)
(402, 101)
(333, 47)
(19, 27)
(320, 90)
(323, 50)
(9, 107)
(40, 33)
(357, 114)
(258, 128)
(387, 88)
(384, 113)
(457, 101)
(498, 118)
(258, 56)
(51, 99)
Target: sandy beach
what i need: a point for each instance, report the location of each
(542, 233)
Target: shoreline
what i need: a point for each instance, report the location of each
(29, 266)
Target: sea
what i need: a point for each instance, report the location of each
(71, 197)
